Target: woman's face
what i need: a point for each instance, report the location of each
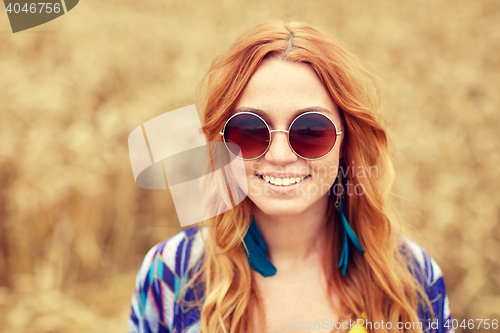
(279, 91)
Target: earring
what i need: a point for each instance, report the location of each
(257, 251)
(348, 232)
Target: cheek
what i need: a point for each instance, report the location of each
(251, 167)
(328, 167)
(325, 172)
(253, 182)
(236, 178)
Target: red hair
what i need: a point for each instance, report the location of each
(378, 283)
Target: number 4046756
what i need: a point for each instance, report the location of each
(34, 8)
(472, 324)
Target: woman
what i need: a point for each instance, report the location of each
(311, 247)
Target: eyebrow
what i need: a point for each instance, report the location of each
(264, 114)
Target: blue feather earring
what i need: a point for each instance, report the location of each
(257, 252)
(347, 231)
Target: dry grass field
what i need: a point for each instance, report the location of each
(74, 226)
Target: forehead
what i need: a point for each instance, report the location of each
(279, 88)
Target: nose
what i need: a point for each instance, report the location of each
(280, 153)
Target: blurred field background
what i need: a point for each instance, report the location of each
(73, 225)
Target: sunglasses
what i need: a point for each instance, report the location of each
(311, 136)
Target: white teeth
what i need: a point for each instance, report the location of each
(282, 181)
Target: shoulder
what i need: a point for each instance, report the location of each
(429, 275)
(166, 268)
(422, 261)
(178, 253)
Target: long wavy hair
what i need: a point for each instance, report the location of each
(379, 283)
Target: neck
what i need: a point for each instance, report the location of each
(292, 239)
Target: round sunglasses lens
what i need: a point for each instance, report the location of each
(249, 133)
(313, 135)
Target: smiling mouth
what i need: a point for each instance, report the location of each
(283, 181)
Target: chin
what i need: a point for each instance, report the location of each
(277, 207)
(270, 210)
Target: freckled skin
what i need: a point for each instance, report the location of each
(298, 291)
(280, 89)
